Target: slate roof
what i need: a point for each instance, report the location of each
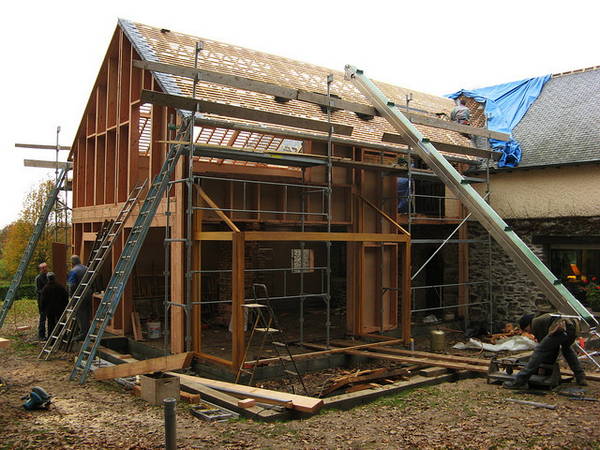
(563, 124)
(154, 44)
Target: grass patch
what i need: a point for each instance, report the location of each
(24, 309)
(424, 396)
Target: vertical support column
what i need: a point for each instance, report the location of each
(237, 296)
(463, 266)
(196, 277)
(406, 293)
(177, 261)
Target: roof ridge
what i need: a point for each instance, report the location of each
(575, 71)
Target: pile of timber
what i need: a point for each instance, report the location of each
(237, 395)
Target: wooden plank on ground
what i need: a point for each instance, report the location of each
(325, 352)
(433, 371)
(412, 360)
(299, 402)
(246, 403)
(160, 364)
(4, 343)
(375, 375)
(231, 402)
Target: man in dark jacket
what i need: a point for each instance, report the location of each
(40, 282)
(54, 300)
(553, 333)
(83, 312)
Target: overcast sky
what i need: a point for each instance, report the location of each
(52, 51)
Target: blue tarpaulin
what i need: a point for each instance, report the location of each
(505, 106)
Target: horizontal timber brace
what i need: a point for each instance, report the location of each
(47, 164)
(239, 112)
(310, 97)
(240, 126)
(299, 236)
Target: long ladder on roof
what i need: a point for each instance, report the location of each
(33, 240)
(546, 281)
(112, 295)
(63, 331)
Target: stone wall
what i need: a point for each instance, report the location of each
(513, 294)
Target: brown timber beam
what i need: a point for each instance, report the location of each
(310, 97)
(239, 112)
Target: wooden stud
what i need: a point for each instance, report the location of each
(238, 298)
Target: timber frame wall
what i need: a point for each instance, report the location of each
(108, 162)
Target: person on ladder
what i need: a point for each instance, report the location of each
(83, 313)
(40, 282)
(553, 333)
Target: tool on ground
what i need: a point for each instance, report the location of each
(114, 291)
(505, 369)
(33, 240)
(553, 288)
(536, 404)
(38, 398)
(63, 331)
(212, 413)
(266, 323)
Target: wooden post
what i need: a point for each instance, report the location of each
(237, 296)
(177, 262)
(406, 293)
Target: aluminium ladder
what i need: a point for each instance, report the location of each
(33, 240)
(63, 331)
(271, 329)
(112, 295)
(558, 295)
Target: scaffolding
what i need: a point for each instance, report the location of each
(193, 184)
(463, 304)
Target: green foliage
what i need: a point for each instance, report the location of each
(14, 237)
(23, 291)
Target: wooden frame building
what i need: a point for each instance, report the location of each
(270, 184)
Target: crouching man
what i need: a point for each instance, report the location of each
(553, 334)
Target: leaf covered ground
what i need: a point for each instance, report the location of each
(465, 414)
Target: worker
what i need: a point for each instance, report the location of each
(40, 281)
(83, 312)
(553, 333)
(461, 113)
(54, 300)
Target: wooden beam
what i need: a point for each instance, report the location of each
(42, 147)
(47, 164)
(387, 217)
(160, 364)
(310, 97)
(213, 235)
(238, 298)
(217, 210)
(446, 147)
(4, 343)
(323, 236)
(413, 360)
(298, 402)
(326, 352)
(239, 112)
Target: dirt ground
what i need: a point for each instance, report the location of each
(465, 414)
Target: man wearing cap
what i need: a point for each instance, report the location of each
(83, 312)
(553, 333)
(54, 300)
(40, 282)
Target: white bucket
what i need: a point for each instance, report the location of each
(153, 330)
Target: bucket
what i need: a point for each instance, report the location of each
(153, 330)
(438, 341)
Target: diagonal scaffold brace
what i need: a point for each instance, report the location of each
(554, 290)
